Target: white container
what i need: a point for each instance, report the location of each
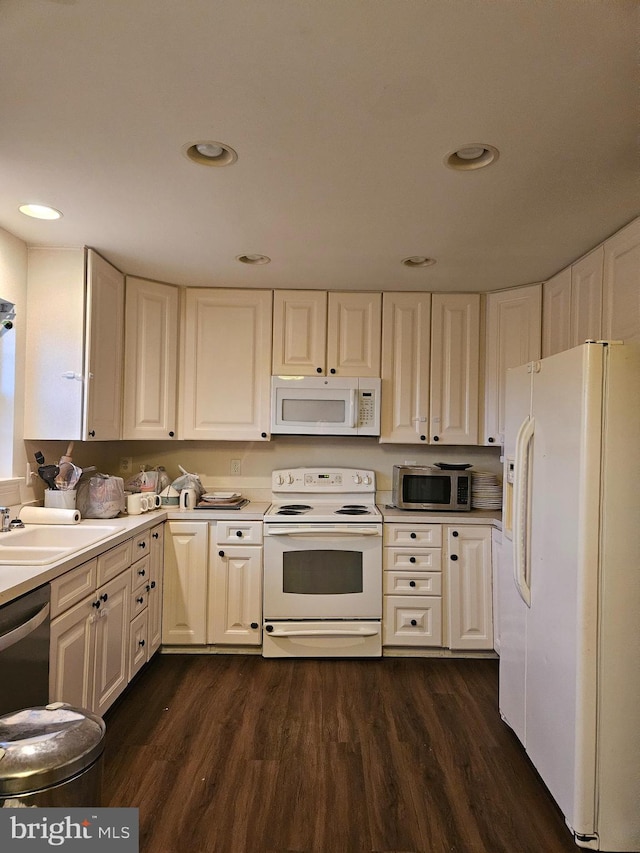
(60, 498)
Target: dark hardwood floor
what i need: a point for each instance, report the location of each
(237, 754)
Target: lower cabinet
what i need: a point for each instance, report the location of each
(437, 586)
(184, 612)
(101, 617)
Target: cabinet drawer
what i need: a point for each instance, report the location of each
(418, 560)
(113, 562)
(139, 600)
(247, 532)
(426, 535)
(72, 587)
(412, 621)
(140, 572)
(418, 583)
(140, 545)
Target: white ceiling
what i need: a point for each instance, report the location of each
(342, 112)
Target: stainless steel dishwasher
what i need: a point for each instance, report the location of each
(24, 651)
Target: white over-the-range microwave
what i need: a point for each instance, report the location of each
(325, 405)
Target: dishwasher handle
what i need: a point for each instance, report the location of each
(16, 634)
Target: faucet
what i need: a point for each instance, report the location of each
(4, 516)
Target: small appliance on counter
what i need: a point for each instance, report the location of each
(444, 486)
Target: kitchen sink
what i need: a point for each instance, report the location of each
(40, 544)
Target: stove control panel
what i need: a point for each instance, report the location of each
(321, 480)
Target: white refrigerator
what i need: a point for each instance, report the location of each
(569, 585)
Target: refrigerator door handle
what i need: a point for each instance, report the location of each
(521, 531)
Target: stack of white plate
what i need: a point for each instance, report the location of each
(486, 491)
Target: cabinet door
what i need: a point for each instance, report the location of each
(406, 348)
(513, 329)
(586, 298)
(184, 609)
(353, 334)
(235, 615)
(621, 287)
(455, 353)
(111, 657)
(71, 655)
(155, 589)
(104, 350)
(556, 313)
(226, 378)
(470, 597)
(138, 642)
(151, 358)
(299, 332)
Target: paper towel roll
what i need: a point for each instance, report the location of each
(49, 515)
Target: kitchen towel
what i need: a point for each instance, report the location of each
(48, 515)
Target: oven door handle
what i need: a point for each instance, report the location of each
(326, 632)
(322, 531)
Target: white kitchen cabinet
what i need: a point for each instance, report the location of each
(155, 589)
(151, 360)
(455, 356)
(235, 591)
(556, 313)
(317, 333)
(89, 642)
(73, 368)
(412, 585)
(226, 371)
(621, 285)
(469, 586)
(586, 298)
(406, 354)
(512, 337)
(184, 608)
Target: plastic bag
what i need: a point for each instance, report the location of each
(101, 496)
(164, 479)
(189, 481)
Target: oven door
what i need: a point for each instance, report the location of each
(323, 571)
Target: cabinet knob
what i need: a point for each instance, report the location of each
(92, 433)
(333, 370)
(140, 600)
(141, 643)
(171, 433)
(454, 557)
(491, 439)
(263, 434)
(95, 604)
(423, 438)
(436, 438)
(104, 597)
(254, 624)
(414, 535)
(220, 553)
(412, 559)
(455, 533)
(155, 535)
(239, 534)
(141, 572)
(142, 544)
(269, 628)
(414, 623)
(153, 584)
(412, 583)
(318, 370)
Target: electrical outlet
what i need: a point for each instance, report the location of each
(126, 464)
(235, 466)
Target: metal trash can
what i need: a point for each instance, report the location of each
(51, 756)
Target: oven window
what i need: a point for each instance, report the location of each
(322, 572)
(426, 489)
(299, 411)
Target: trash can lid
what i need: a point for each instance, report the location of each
(43, 746)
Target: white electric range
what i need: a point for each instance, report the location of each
(322, 564)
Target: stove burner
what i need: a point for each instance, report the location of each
(353, 509)
(293, 509)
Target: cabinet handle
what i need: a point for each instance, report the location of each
(104, 597)
(414, 535)
(414, 623)
(141, 572)
(263, 434)
(423, 438)
(220, 553)
(140, 600)
(239, 534)
(412, 559)
(171, 433)
(491, 439)
(455, 533)
(436, 438)
(95, 604)
(318, 370)
(333, 370)
(254, 624)
(92, 433)
(142, 544)
(454, 557)
(412, 583)
(153, 584)
(155, 535)
(141, 643)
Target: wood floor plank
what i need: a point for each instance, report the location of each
(237, 754)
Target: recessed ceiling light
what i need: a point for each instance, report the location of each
(40, 211)
(418, 261)
(473, 156)
(209, 153)
(253, 259)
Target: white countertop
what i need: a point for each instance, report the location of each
(474, 516)
(15, 580)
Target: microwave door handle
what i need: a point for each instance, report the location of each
(354, 407)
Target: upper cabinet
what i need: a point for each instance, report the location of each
(621, 299)
(512, 337)
(556, 313)
(225, 375)
(73, 366)
(318, 334)
(455, 355)
(151, 359)
(406, 354)
(586, 298)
